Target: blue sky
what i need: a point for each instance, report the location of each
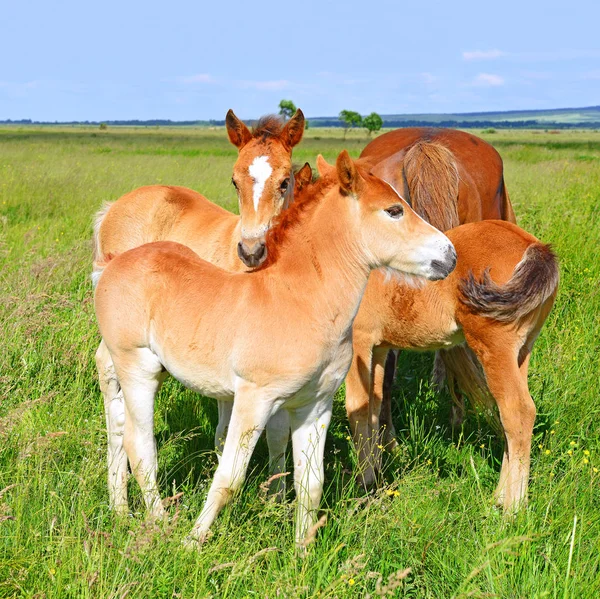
(68, 60)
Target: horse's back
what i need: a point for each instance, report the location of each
(153, 213)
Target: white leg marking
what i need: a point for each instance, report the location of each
(140, 383)
(309, 430)
(114, 409)
(260, 170)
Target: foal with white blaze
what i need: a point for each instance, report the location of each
(230, 335)
(264, 179)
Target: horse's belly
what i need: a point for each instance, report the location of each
(203, 379)
(421, 337)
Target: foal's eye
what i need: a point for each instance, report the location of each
(234, 183)
(395, 211)
(284, 185)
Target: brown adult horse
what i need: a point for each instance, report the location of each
(264, 180)
(449, 177)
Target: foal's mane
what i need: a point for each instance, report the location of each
(268, 126)
(289, 219)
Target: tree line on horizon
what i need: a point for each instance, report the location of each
(348, 118)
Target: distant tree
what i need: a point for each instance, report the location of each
(372, 123)
(350, 119)
(103, 126)
(287, 109)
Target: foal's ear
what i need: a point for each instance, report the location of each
(302, 178)
(239, 134)
(323, 167)
(347, 174)
(292, 132)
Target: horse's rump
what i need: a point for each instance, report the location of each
(534, 280)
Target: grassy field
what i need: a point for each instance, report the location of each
(434, 516)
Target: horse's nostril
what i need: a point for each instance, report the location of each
(241, 250)
(260, 251)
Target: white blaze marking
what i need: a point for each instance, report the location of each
(260, 170)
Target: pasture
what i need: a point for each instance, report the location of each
(434, 515)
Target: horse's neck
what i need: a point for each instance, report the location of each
(323, 260)
(214, 236)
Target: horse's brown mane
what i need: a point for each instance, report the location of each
(290, 218)
(267, 126)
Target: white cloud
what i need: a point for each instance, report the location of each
(483, 54)
(488, 80)
(199, 78)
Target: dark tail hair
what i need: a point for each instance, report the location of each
(431, 173)
(534, 280)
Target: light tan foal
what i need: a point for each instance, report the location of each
(265, 183)
(276, 338)
(485, 328)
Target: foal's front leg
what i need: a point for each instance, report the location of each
(250, 414)
(278, 435)
(309, 431)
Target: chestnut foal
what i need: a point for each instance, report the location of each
(484, 317)
(160, 307)
(265, 182)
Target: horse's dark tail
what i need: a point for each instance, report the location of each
(431, 173)
(534, 280)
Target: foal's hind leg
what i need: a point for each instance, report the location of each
(140, 374)
(377, 396)
(114, 410)
(505, 380)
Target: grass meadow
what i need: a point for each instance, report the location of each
(430, 531)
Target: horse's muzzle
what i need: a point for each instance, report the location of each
(252, 256)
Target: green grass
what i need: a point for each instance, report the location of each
(434, 514)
